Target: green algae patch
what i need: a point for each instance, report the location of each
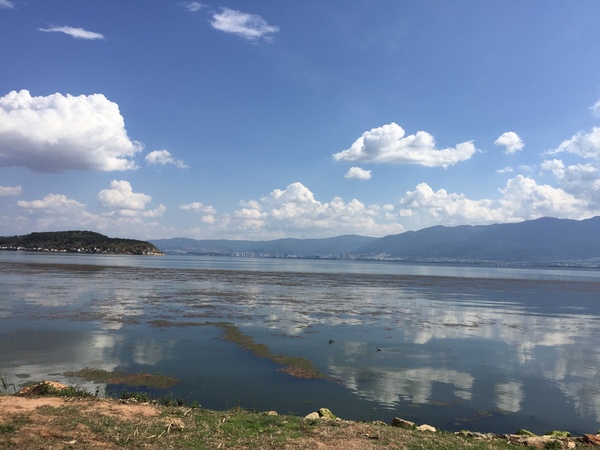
(156, 381)
(292, 365)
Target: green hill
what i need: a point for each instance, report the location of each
(77, 242)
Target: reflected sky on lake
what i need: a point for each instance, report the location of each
(450, 346)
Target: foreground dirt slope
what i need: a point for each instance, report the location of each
(58, 423)
(94, 423)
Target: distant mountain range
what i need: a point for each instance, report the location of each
(306, 248)
(544, 240)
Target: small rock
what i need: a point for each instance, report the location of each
(325, 413)
(313, 416)
(426, 427)
(271, 413)
(175, 425)
(593, 439)
(398, 422)
(536, 441)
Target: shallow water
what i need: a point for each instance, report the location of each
(480, 348)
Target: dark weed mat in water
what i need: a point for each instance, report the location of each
(292, 365)
(156, 381)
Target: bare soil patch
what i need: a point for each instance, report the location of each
(93, 423)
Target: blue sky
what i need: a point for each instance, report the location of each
(270, 119)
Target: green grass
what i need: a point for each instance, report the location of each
(95, 420)
(7, 428)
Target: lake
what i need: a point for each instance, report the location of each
(492, 349)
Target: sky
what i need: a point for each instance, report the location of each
(276, 119)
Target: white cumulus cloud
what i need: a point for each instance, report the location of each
(356, 173)
(163, 157)
(56, 133)
(389, 144)
(434, 207)
(6, 191)
(77, 33)
(295, 211)
(53, 212)
(511, 141)
(58, 212)
(248, 26)
(52, 203)
(586, 145)
(581, 180)
(197, 207)
(207, 213)
(121, 196)
(524, 199)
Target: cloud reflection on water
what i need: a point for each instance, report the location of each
(444, 338)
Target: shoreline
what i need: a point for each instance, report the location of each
(23, 421)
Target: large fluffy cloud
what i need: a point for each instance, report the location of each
(434, 207)
(511, 141)
(62, 132)
(522, 198)
(248, 26)
(581, 180)
(389, 144)
(295, 212)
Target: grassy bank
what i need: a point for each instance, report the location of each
(58, 423)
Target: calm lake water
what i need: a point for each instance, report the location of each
(461, 347)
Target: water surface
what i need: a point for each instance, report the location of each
(461, 347)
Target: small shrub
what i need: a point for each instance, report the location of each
(170, 401)
(523, 432)
(73, 391)
(560, 434)
(7, 428)
(553, 445)
(141, 397)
